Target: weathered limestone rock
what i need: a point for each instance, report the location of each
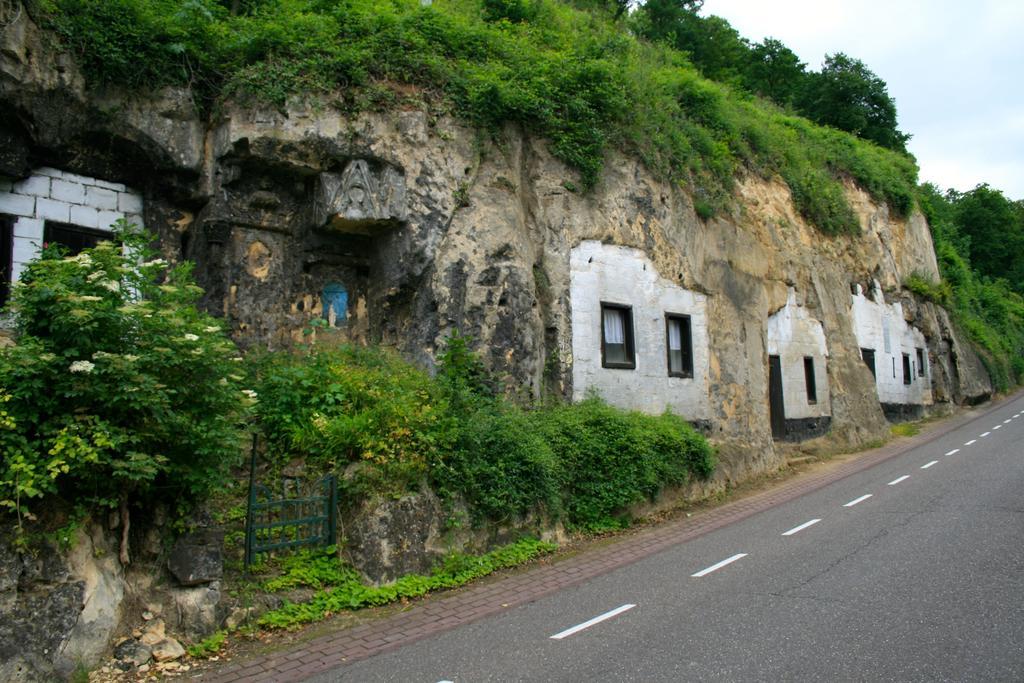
(196, 610)
(133, 653)
(389, 538)
(27, 668)
(197, 557)
(93, 561)
(168, 650)
(154, 632)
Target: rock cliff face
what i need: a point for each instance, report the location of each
(399, 227)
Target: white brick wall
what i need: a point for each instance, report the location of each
(622, 275)
(871, 317)
(55, 195)
(794, 335)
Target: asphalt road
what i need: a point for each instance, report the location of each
(911, 570)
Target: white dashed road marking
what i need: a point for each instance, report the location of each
(719, 565)
(899, 479)
(801, 527)
(971, 442)
(857, 500)
(596, 620)
(927, 465)
(954, 451)
(984, 434)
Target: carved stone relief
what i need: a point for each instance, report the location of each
(359, 199)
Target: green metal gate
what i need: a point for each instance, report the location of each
(277, 523)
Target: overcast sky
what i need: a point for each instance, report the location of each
(955, 69)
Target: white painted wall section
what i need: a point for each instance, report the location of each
(882, 327)
(622, 275)
(54, 195)
(793, 334)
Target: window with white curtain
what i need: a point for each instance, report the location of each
(617, 349)
(680, 345)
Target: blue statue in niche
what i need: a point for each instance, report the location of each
(335, 304)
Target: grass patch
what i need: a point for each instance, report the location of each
(339, 588)
(208, 646)
(905, 429)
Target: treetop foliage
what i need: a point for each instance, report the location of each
(845, 94)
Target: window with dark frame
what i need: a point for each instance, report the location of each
(812, 387)
(617, 349)
(74, 238)
(679, 342)
(908, 375)
(868, 355)
(6, 256)
(920, 362)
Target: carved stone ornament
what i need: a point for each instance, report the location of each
(359, 199)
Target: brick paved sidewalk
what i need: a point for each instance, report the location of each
(477, 602)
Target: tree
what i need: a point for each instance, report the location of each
(118, 388)
(847, 95)
(995, 226)
(775, 72)
(714, 46)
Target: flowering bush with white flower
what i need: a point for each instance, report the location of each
(118, 386)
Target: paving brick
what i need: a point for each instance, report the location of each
(86, 216)
(17, 204)
(25, 250)
(116, 187)
(108, 218)
(65, 191)
(30, 229)
(77, 179)
(53, 210)
(36, 185)
(129, 202)
(101, 198)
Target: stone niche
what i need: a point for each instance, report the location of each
(361, 200)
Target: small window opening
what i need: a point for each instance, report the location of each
(617, 350)
(680, 345)
(920, 362)
(74, 238)
(908, 374)
(812, 388)
(869, 359)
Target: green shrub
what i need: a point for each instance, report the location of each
(609, 458)
(118, 388)
(500, 466)
(937, 292)
(585, 463)
(353, 405)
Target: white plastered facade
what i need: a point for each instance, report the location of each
(50, 194)
(882, 328)
(626, 276)
(793, 335)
